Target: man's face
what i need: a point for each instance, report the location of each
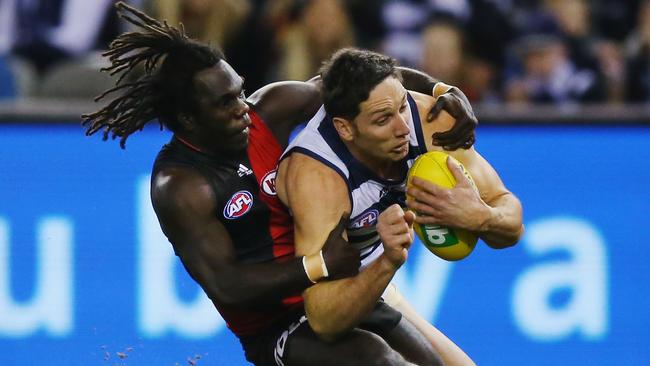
(542, 62)
(221, 120)
(380, 130)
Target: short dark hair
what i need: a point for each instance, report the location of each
(164, 90)
(349, 76)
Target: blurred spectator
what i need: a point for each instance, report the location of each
(319, 28)
(446, 56)
(7, 25)
(490, 30)
(545, 72)
(254, 44)
(48, 31)
(367, 21)
(615, 19)
(461, 42)
(612, 65)
(217, 22)
(557, 51)
(7, 83)
(405, 20)
(602, 57)
(240, 28)
(573, 18)
(443, 50)
(638, 58)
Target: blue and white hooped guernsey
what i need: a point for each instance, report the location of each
(369, 194)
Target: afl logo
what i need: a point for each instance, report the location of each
(366, 219)
(268, 183)
(240, 203)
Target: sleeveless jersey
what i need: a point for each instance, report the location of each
(247, 205)
(369, 193)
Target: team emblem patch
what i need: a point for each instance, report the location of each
(366, 219)
(268, 183)
(237, 206)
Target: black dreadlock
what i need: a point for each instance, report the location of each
(162, 94)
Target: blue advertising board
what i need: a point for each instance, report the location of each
(87, 278)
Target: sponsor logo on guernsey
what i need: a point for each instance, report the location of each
(244, 170)
(282, 340)
(237, 206)
(366, 219)
(268, 183)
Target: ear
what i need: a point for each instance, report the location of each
(186, 122)
(344, 128)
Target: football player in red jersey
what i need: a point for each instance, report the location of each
(233, 237)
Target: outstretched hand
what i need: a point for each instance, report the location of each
(460, 206)
(461, 135)
(341, 258)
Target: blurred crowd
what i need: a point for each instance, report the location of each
(497, 51)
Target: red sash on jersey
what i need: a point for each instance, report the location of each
(264, 153)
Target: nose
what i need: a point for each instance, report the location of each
(243, 106)
(401, 126)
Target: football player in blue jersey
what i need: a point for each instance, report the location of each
(352, 159)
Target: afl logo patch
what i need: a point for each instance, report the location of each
(268, 183)
(366, 219)
(240, 203)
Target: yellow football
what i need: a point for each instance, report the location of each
(447, 243)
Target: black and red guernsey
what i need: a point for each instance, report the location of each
(247, 205)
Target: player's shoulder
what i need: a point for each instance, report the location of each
(424, 103)
(179, 188)
(306, 166)
(312, 186)
(422, 100)
(307, 175)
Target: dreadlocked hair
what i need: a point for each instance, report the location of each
(169, 59)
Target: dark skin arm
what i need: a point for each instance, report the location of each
(454, 101)
(184, 204)
(284, 105)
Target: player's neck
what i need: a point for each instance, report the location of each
(189, 143)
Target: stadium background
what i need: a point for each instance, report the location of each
(86, 277)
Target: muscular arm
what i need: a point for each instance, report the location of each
(317, 198)
(184, 204)
(284, 105)
(501, 224)
(417, 80)
(450, 99)
(495, 214)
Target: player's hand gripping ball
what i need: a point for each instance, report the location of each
(447, 243)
